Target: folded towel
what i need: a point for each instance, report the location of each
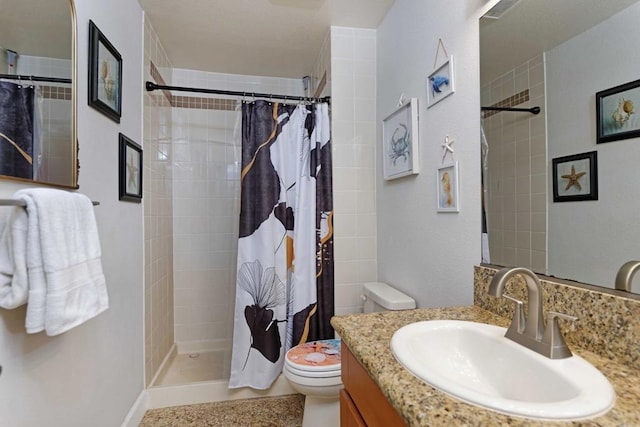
(14, 284)
(66, 283)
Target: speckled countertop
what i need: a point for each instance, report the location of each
(368, 336)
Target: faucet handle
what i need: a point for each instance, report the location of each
(518, 314)
(553, 335)
(553, 315)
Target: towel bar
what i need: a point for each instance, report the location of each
(16, 202)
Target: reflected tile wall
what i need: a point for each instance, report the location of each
(55, 115)
(517, 166)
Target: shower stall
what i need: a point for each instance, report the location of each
(192, 199)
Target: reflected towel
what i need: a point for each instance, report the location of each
(66, 283)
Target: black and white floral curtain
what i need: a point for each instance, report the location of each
(284, 293)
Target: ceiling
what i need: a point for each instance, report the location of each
(280, 38)
(31, 27)
(534, 26)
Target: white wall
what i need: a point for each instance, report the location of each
(91, 375)
(604, 57)
(426, 254)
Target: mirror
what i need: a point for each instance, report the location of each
(558, 55)
(37, 92)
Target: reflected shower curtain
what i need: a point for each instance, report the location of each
(284, 293)
(16, 129)
(484, 146)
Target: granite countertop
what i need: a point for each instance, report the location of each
(368, 337)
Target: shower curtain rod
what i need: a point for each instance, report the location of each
(150, 86)
(532, 110)
(34, 78)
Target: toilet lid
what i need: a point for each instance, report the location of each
(315, 356)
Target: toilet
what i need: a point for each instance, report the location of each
(314, 368)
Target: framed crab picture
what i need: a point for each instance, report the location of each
(400, 142)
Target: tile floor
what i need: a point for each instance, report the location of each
(282, 411)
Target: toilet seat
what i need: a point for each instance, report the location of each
(316, 359)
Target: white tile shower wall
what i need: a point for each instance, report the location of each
(352, 79)
(206, 158)
(158, 211)
(517, 197)
(55, 117)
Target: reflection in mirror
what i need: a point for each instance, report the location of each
(557, 55)
(37, 96)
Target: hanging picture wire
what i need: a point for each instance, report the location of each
(444, 49)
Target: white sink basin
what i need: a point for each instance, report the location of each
(474, 362)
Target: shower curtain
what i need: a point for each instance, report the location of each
(16, 130)
(284, 293)
(484, 146)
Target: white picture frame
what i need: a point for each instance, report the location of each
(448, 198)
(400, 140)
(440, 83)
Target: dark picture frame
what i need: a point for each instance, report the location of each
(575, 177)
(616, 117)
(105, 75)
(130, 170)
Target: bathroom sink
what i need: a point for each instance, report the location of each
(474, 362)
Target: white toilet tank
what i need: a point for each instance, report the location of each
(380, 296)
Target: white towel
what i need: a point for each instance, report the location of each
(66, 283)
(14, 284)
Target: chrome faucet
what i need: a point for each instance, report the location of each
(625, 275)
(531, 332)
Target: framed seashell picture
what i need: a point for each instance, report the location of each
(105, 75)
(616, 113)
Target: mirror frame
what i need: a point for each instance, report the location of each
(74, 115)
(74, 97)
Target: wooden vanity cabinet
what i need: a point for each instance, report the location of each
(362, 403)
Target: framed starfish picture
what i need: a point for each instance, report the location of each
(130, 170)
(575, 178)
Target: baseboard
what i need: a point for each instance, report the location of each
(137, 411)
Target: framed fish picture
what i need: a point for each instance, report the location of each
(400, 142)
(440, 82)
